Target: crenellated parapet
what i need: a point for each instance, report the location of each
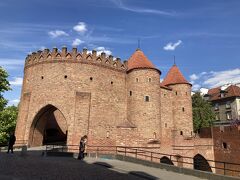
(85, 57)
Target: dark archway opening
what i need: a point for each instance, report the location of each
(166, 160)
(200, 163)
(48, 127)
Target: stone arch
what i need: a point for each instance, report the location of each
(48, 126)
(166, 160)
(89, 57)
(58, 55)
(68, 56)
(41, 58)
(99, 59)
(49, 56)
(107, 62)
(79, 56)
(200, 163)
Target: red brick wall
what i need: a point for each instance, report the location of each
(230, 136)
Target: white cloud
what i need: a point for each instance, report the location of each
(57, 33)
(101, 49)
(172, 46)
(193, 77)
(196, 87)
(215, 78)
(77, 42)
(17, 81)
(13, 102)
(81, 27)
(203, 91)
(220, 78)
(42, 48)
(121, 5)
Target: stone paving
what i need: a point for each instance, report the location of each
(33, 166)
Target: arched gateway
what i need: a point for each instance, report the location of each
(48, 126)
(200, 163)
(166, 160)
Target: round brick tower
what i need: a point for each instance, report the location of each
(181, 101)
(143, 90)
(69, 94)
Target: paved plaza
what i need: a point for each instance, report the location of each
(34, 166)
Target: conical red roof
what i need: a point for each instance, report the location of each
(139, 60)
(174, 76)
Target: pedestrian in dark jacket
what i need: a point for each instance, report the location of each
(11, 142)
(82, 145)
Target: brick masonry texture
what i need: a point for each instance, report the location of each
(94, 95)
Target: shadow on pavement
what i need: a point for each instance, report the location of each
(34, 165)
(103, 164)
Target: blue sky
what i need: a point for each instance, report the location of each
(202, 34)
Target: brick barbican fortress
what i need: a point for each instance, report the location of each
(66, 95)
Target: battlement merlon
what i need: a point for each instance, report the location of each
(47, 56)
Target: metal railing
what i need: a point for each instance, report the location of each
(148, 154)
(183, 161)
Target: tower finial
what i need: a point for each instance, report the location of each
(138, 48)
(174, 61)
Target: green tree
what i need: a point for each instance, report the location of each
(203, 114)
(8, 119)
(4, 86)
(8, 115)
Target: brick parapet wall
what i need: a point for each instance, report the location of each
(84, 57)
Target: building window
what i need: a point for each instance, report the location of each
(176, 93)
(183, 109)
(165, 125)
(224, 144)
(186, 93)
(164, 95)
(42, 77)
(228, 105)
(216, 106)
(222, 94)
(107, 134)
(65, 76)
(217, 117)
(149, 79)
(221, 128)
(154, 135)
(146, 98)
(91, 78)
(111, 82)
(136, 79)
(229, 115)
(130, 93)
(181, 133)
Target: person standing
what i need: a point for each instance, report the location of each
(82, 145)
(11, 142)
